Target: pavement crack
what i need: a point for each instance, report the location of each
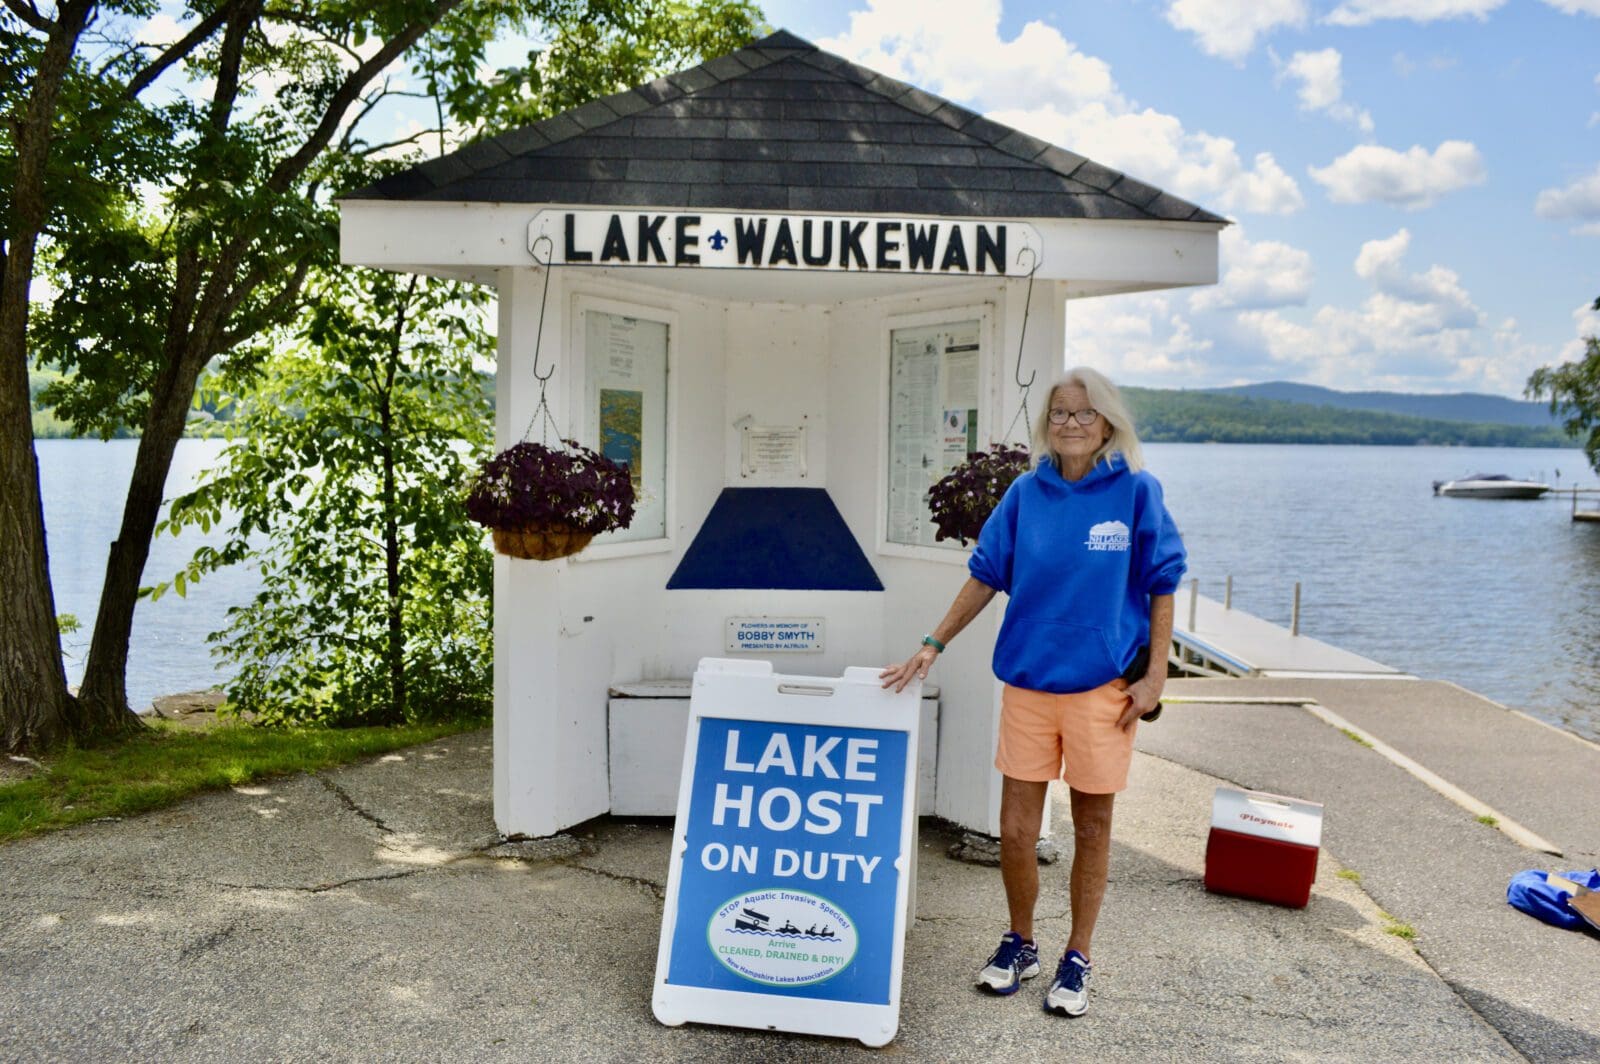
(350, 803)
(656, 889)
(322, 888)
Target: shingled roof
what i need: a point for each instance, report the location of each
(783, 126)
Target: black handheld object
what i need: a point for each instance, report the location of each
(1135, 672)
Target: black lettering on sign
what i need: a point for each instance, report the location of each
(822, 257)
(992, 248)
(783, 245)
(887, 246)
(850, 243)
(680, 253)
(572, 253)
(650, 237)
(750, 239)
(615, 249)
(920, 242)
(955, 252)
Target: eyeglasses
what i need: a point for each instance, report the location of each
(1085, 417)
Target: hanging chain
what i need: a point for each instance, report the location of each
(1024, 385)
(543, 409)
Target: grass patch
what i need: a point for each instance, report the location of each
(1394, 927)
(1349, 873)
(166, 764)
(1355, 738)
(1487, 819)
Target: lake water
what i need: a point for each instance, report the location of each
(1502, 597)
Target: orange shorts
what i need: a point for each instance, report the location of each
(1072, 737)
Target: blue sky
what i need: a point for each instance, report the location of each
(1416, 183)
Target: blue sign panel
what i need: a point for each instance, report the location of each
(788, 879)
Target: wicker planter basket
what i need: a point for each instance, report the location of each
(541, 543)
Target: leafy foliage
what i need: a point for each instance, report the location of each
(964, 498)
(189, 165)
(1573, 389)
(530, 484)
(341, 479)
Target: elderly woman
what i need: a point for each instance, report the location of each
(1085, 549)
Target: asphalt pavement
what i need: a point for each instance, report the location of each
(372, 913)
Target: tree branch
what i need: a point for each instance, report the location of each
(241, 19)
(189, 43)
(290, 169)
(30, 14)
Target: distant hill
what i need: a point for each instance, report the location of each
(1457, 406)
(1212, 416)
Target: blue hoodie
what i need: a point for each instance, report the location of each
(1079, 560)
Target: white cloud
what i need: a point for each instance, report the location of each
(1322, 86)
(1041, 83)
(1364, 12)
(1414, 330)
(1585, 323)
(1135, 337)
(160, 30)
(1576, 7)
(956, 50)
(1413, 179)
(1155, 148)
(1229, 29)
(1579, 201)
(1256, 275)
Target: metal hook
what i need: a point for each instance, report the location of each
(1023, 334)
(538, 337)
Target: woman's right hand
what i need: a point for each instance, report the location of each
(916, 666)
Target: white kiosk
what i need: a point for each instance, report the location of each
(792, 293)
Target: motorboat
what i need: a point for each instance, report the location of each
(1490, 486)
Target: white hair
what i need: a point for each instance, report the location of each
(1105, 398)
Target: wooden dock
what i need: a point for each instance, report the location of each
(1222, 641)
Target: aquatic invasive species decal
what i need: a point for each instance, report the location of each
(792, 939)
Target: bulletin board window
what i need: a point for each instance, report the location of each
(935, 395)
(625, 410)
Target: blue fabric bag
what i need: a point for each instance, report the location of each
(1532, 892)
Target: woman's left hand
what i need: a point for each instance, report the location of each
(1142, 698)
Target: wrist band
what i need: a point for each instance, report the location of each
(929, 641)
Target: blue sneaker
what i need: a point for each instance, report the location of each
(1069, 994)
(1016, 959)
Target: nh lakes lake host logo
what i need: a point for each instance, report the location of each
(1108, 535)
(782, 937)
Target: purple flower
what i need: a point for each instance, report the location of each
(963, 500)
(531, 484)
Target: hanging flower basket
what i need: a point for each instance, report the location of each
(546, 502)
(965, 497)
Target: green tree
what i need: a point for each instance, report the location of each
(1573, 389)
(184, 193)
(342, 480)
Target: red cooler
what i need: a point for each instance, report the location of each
(1263, 846)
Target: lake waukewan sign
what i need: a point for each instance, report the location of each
(791, 856)
(720, 240)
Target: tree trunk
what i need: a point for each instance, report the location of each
(36, 711)
(104, 695)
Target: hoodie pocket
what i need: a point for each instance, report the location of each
(1082, 649)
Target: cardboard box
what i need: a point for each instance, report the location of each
(1263, 846)
(1587, 905)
